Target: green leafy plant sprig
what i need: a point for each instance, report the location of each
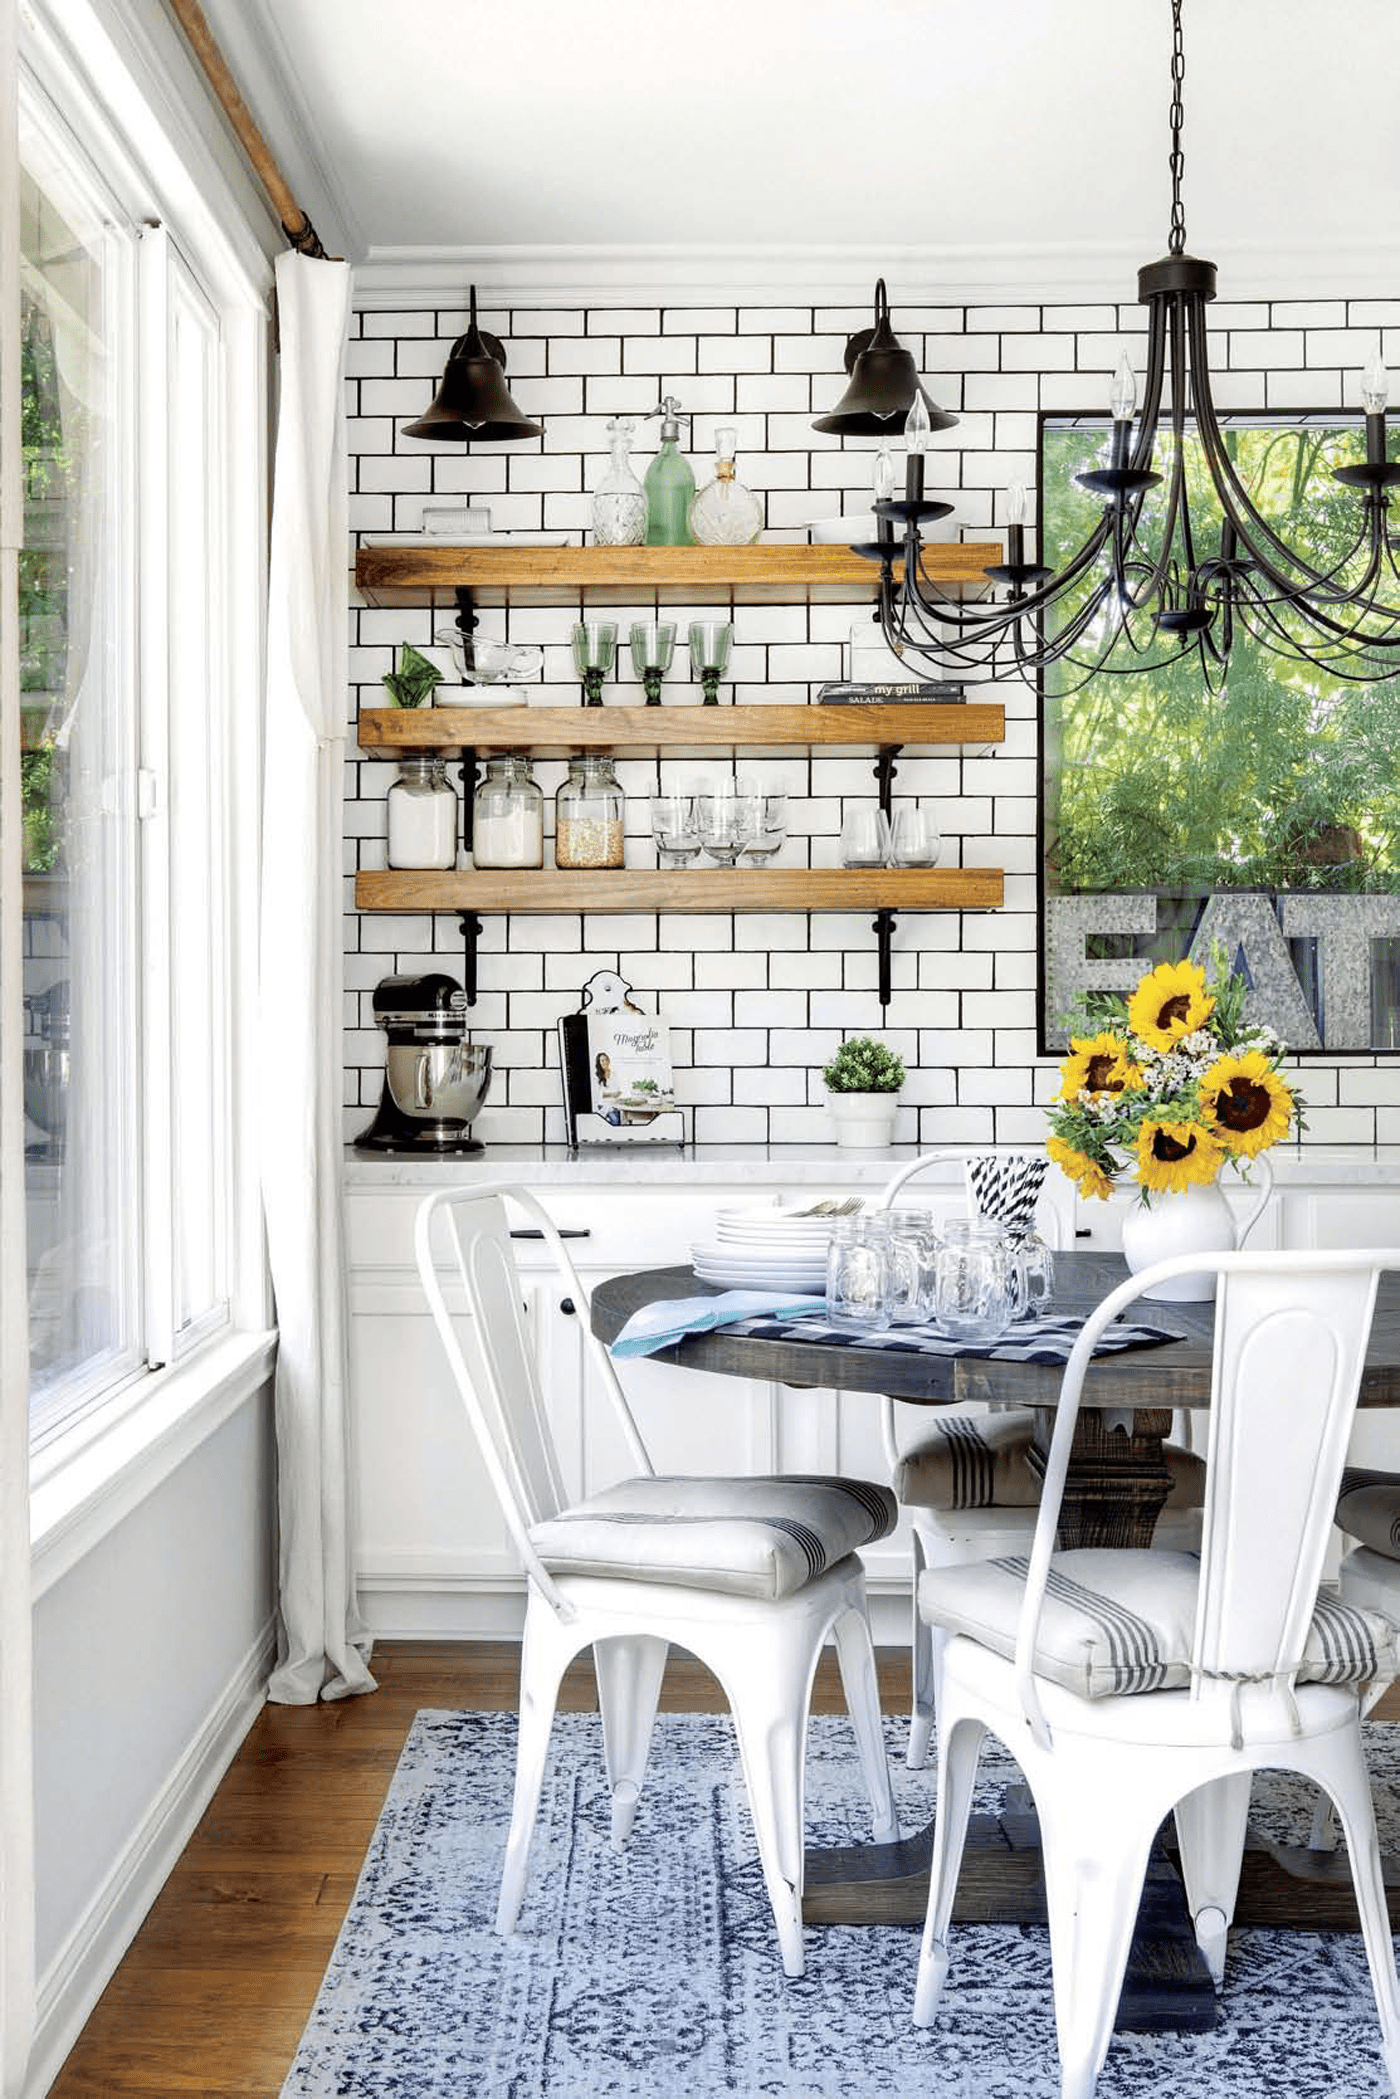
(863, 1065)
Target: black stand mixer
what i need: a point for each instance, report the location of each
(435, 1080)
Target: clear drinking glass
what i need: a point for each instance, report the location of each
(1033, 1267)
(865, 836)
(770, 827)
(912, 1244)
(972, 1281)
(914, 839)
(857, 1272)
(710, 642)
(595, 652)
(673, 828)
(653, 644)
(726, 822)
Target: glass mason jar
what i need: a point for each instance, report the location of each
(858, 1271)
(508, 816)
(973, 1282)
(422, 815)
(588, 815)
(913, 1243)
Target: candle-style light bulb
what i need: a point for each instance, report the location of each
(1123, 399)
(1016, 503)
(1375, 383)
(916, 437)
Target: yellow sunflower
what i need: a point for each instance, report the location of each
(1086, 1173)
(1174, 1155)
(1246, 1103)
(1098, 1064)
(1171, 1001)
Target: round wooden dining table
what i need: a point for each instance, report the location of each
(1117, 1486)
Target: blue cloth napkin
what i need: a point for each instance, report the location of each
(668, 1320)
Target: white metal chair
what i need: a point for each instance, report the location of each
(751, 1575)
(1128, 1684)
(966, 1480)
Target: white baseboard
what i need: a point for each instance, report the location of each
(427, 1608)
(86, 1962)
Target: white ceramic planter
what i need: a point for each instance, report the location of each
(1194, 1221)
(864, 1121)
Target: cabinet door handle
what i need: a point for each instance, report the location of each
(565, 1231)
(566, 1304)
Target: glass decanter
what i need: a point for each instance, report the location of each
(619, 501)
(725, 513)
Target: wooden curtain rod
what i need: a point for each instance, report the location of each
(295, 223)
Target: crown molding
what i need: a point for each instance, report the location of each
(806, 276)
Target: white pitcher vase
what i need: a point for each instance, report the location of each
(1192, 1220)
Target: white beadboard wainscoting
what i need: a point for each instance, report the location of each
(757, 1002)
(431, 1553)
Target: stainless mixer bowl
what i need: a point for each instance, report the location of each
(442, 1082)
(46, 1086)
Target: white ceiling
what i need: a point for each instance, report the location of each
(953, 128)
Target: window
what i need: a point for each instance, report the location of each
(124, 609)
(1261, 808)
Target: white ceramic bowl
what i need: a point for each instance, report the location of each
(855, 528)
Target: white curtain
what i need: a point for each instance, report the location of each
(323, 1647)
(16, 1706)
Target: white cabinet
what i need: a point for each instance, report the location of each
(430, 1549)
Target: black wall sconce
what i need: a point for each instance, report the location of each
(884, 381)
(473, 403)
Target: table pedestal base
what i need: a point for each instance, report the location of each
(1167, 1988)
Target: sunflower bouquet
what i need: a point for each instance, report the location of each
(1174, 1087)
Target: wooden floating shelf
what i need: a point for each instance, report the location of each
(401, 573)
(395, 729)
(682, 889)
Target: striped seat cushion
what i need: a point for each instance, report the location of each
(742, 1537)
(1117, 1621)
(989, 1464)
(1368, 1509)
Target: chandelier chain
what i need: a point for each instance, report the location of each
(1177, 241)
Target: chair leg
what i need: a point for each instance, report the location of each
(1210, 1829)
(1095, 1848)
(855, 1657)
(629, 1672)
(545, 1652)
(1350, 1785)
(958, 1751)
(924, 1662)
(769, 1699)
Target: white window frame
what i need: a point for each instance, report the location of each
(118, 95)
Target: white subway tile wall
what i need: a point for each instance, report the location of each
(757, 1002)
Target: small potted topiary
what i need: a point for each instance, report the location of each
(862, 1091)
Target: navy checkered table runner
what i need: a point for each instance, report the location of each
(1047, 1340)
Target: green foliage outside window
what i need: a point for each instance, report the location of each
(1284, 779)
(49, 490)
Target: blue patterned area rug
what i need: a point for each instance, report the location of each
(654, 1974)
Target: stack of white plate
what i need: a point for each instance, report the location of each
(767, 1248)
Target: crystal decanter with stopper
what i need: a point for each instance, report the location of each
(725, 513)
(619, 501)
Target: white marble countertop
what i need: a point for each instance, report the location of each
(796, 1165)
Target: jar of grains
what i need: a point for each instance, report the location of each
(508, 816)
(588, 815)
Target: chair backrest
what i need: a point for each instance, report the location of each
(1053, 1222)
(1291, 1332)
(462, 1242)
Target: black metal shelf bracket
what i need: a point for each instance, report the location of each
(884, 774)
(468, 773)
(471, 933)
(882, 926)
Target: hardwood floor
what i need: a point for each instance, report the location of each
(215, 1990)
